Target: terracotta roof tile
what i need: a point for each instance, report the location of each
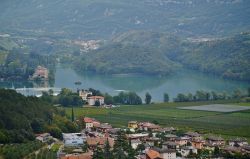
(153, 154)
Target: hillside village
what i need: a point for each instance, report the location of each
(142, 140)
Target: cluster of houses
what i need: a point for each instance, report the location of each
(159, 142)
(94, 135)
(87, 45)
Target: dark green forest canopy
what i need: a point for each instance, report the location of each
(17, 114)
(22, 116)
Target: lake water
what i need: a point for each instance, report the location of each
(181, 82)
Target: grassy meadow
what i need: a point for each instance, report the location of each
(233, 124)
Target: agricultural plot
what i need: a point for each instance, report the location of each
(228, 124)
(217, 108)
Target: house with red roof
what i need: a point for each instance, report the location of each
(91, 122)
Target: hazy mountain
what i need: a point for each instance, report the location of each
(104, 18)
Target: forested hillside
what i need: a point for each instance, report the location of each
(127, 58)
(228, 57)
(18, 113)
(22, 116)
(18, 61)
(161, 53)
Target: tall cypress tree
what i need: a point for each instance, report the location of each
(148, 98)
(107, 152)
(72, 115)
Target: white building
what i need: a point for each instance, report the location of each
(185, 151)
(73, 139)
(135, 143)
(84, 94)
(162, 153)
(168, 154)
(238, 142)
(44, 137)
(92, 100)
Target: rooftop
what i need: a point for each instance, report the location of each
(215, 138)
(163, 150)
(94, 141)
(171, 136)
(95, 97)
(132, 122)
(72, 136)
(192, 134)
(152, 154)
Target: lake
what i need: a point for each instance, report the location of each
(184, 81)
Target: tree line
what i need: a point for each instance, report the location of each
(68, 98)
(210, 96)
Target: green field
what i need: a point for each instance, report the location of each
(231, 124)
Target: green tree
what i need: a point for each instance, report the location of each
(140, 148)
(65, 91)
(166, 97)
(129, 98)
(3, 137)
(97, 103)
(237, 94)
(55, 132)
(201, 96)
(148, 98)
(37, 125)
(155, 122)
(216, 151)
(108, 99)
(98, 153)
(214, 95)
(119, 153)
(180, 98)
(72, 115)
(190, 97)
(208, 96)
(107, 151)
(51, 92)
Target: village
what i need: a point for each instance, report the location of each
(146, 139)
(137, 139)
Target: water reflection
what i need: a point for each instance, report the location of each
(181, 82)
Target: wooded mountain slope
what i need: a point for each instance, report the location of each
(227, 57)
(161, 53)
(18, 113)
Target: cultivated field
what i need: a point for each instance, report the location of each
(228, 124)
(217, 108)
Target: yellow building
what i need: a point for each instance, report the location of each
(133, 125)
